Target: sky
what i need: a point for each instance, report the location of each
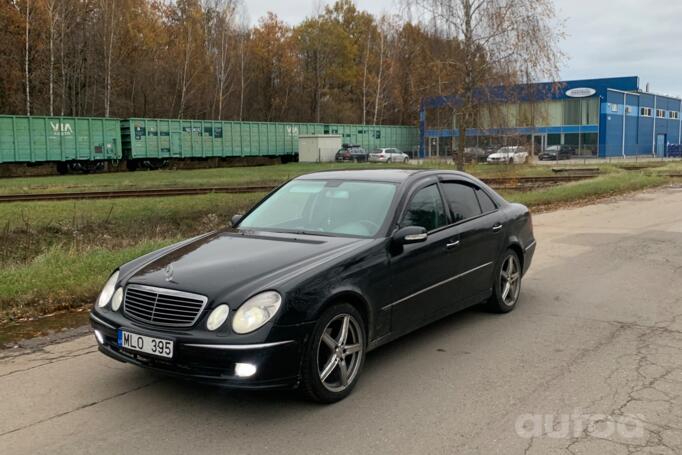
(603, 37)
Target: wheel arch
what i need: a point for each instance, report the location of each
(357, 301)
(515, 246)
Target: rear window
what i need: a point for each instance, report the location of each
(487, 204)
(462, 201)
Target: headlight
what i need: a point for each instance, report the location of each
(217, 317)
(117, 299)
(108, 290)
(256, 311)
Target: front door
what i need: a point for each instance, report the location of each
(420, 271)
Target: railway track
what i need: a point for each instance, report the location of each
(505, 183)
(160, 192)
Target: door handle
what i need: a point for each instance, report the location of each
(497, 227)
(452, 244)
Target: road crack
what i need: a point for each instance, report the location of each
(81, 407)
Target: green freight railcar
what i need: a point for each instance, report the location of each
(166, 139)
(74, 140)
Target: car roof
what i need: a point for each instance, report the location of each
(379, 175)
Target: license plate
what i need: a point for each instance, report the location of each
(148, 345)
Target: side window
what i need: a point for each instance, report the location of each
(425, 209)
(487, 204)
(462, 201)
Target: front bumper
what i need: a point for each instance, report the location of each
(213, 362)
(377, 159)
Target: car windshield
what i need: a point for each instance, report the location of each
(553, 148)
(324, 207)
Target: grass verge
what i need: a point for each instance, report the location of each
(585, 190)
(61, 279)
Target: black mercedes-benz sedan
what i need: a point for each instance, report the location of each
(324, 269)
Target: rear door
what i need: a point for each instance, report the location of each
(480, 237)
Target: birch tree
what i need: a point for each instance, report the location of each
(364, 80)
(51, 8)
(379, 74)
(226, 11)
(27, 75)
(497, 42)
(108, 8)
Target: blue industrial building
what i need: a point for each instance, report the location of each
(606, 117)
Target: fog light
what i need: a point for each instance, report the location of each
(244, 370)
(99, 336)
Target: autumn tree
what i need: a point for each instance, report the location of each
(274, 65)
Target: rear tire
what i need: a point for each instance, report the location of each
(334, 356)
(506, 283)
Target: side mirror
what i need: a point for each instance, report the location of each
(410, 234)
(235, 220)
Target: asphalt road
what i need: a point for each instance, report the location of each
(597, 338)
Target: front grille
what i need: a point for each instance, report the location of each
(165, 307)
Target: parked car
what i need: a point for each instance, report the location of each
(511, 155)
(557, 152)
(388, 155)
(477, 154)
(351, 153)
(324, 269)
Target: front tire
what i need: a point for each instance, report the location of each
(334, 355)
(507, 283)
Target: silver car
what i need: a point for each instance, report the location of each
(388, 155)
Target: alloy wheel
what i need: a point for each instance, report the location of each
(339, 352)
(510, 280)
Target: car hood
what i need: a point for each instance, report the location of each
(501, 155)
(224, 262)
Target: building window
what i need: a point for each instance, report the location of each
(589, 111)
(572, 112)
(645, 111)
(674, 115)
(660, 113)
(554, 139)
(628, 109)
(613, 107)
